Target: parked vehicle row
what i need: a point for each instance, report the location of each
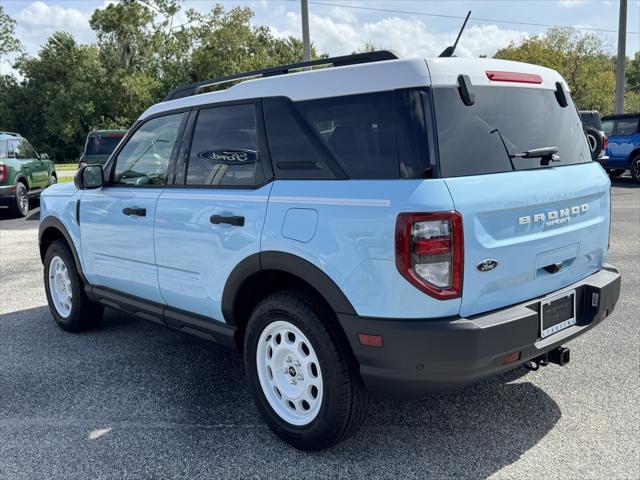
(332, 227)
(24, 174)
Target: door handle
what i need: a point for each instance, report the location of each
(234, 220)
(138, 212)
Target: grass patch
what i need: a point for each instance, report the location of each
(66, 166)
(65, 179)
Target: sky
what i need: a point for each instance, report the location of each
(337, 27)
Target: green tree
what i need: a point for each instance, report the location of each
(579, 57)
(8, 42)
(59, 95)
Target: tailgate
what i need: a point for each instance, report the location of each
(546, 228)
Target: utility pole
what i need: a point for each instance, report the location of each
(306, 45)
(620, 64)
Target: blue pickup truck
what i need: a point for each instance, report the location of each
(624, 144)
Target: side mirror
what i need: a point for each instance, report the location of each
(88, 177)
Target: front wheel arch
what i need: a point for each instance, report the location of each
(52, 229)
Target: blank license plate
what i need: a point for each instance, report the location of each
(557, 313)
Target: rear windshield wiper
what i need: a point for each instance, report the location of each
(545, 154)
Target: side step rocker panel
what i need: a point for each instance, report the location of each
(203, 327)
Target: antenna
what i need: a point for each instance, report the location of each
(448, 52)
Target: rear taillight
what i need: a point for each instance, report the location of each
(605, 142)
(4, 173)
(429, 252)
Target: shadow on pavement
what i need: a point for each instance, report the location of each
(624, 182)
(178, 407)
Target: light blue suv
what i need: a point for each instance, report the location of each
(398, 226)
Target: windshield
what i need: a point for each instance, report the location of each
(527, 119)
(102, 145)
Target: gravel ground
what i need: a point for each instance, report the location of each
(134, 400)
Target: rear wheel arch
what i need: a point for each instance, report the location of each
(22, 179)
(52, 229)
(634, 153)
(265, 273)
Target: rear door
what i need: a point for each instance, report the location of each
(545, 226)
(116, 221)
(212, 218)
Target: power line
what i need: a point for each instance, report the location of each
(472, 19)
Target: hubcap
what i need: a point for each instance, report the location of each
(636, 168)
(289, 373)
(60, 287)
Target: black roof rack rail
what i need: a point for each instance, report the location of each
(368, 57)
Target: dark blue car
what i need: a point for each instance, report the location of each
(624, 144)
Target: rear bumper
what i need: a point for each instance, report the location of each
(426, 355)
(7, 194)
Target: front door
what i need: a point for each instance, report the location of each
(33, 167)
(116, 221)
(214, 220)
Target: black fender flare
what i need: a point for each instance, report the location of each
(288, 263)
(21, 177)
(55, 224)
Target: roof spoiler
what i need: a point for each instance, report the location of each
(368, 57)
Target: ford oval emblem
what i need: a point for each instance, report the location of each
(486, 265)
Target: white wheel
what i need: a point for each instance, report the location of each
(289, 373)
(60, 286)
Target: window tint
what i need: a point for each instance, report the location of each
(368, 136)
(97, 145)
(23, 150)
(11, 148)
(527, 118)
(626, 126)
(295, 150)
(607, 127)
(144, 159)
(224, 150)
(359, 130)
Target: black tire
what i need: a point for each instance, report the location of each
(84, 313)
(634, 166)
(595, 141)
(345, 401)
(615, 172)
(20, 205)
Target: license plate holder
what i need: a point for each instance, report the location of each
(557, 312)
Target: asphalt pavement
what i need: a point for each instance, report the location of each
(133, 400)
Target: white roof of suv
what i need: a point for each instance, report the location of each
(367, 77)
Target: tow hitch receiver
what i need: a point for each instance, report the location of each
(559, 356)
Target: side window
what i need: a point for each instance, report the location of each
(27, 150)
(144, 160)
(21, 149)
(296, 152)
(359, 130)
(3, 148)
(626, 126)
(607, 127)
(224, 149)
(11, 148)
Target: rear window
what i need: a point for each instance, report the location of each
(527, 118)
(102, 145)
